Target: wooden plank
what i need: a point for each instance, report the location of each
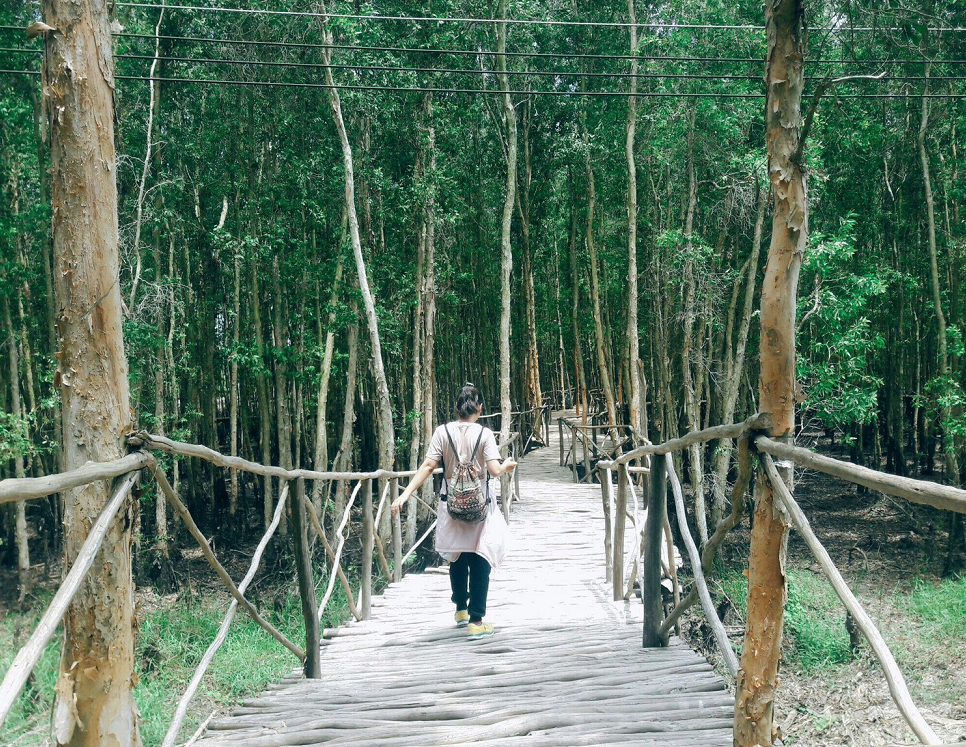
(565, 668)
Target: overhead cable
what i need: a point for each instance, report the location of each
(496, 91)
(475, 71)
(508, 21)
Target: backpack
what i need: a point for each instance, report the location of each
(466, 497)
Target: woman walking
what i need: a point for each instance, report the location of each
(471, 535)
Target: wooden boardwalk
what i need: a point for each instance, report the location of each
(565, 668)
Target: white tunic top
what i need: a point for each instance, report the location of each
(488, 537)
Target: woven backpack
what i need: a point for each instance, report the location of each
(466, 495)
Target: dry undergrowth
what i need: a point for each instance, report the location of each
(891, 553)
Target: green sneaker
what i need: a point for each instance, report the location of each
(462, 618)
(483, 630)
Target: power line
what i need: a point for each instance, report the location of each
(425, 19)
(474, 71)
(492, 91)
(491, 53)
(510, 21)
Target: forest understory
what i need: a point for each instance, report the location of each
(892, 554)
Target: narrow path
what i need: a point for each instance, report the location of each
(566, 667)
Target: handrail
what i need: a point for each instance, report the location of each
(760, 421)
(29, 488)
(16, 489)
(897, 684)
(219, 569)
(28, 656)
(720, 635)
(918, 491)
(162, 443)
(728, 523)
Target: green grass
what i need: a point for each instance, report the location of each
(170, 643)
(939, 607)
(815, 635)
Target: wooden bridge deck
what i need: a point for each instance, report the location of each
(565, 668)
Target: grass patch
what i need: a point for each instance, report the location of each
(170, 643)
(815, 635)
(939, 607)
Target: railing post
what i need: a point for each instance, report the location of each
(546, 423)
(560, 433)
(605, 488)
(586, 456)
(516, 472)
(620, 524)
(303, 563)
(397, 555)
(651, 572)
(573, 450)
(368, 544)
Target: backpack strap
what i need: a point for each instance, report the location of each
(477, 447)
(452, 445)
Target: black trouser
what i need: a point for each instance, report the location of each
(469, 576)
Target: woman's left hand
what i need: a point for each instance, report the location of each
(399, 503)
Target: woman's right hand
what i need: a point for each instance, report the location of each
(509, 465)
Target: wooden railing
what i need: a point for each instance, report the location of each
(651, 539)
(534, 421)
(303, 517)
(585, 446)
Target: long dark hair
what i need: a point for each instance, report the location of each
(469, 401)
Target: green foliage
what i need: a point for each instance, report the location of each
(837, 338)
(15, 436)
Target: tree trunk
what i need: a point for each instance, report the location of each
(735, 360)
(264, 411)
(387, 439)
(575, 318)
(636, 400)
(428, 419)
(93, 695)
(154, 99)
(560, 341)
(949, 449)
(605, 377)
(692, 398)
(16, 409)
(534, 394)
(506, 250)
(767, 590)
(343, 457)
(321, 461)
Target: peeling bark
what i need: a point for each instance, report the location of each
(767, 589)
(93, 695)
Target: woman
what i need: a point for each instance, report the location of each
(472, 549)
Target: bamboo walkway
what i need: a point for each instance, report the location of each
(565, 668)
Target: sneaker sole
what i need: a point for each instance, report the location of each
(477, 636)
(463, 624)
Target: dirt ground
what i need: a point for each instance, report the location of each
(882, 545)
